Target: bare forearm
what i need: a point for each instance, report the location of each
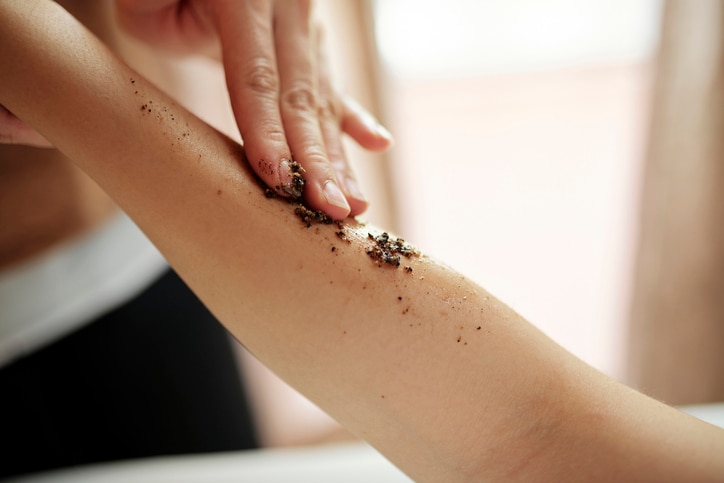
(428, 367)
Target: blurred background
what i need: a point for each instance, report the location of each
(520, 131)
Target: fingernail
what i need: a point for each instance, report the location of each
(334, 195)
(291, 180)
(354, 190)
(374, 126)
(383, 132)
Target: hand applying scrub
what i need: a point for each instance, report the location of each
(276, 72)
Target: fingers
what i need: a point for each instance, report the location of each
(363, 127)
(15, 131)
(284, 104)
(300, 101)
(247, 42)
(329, 114)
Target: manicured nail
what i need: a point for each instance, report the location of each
(334, 195)
(373, 125)
(285, 172)
(291, 179)
(383, 132)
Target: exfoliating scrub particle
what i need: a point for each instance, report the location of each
(388, 250)
(296, 187)
(385, 250)
(312, 216)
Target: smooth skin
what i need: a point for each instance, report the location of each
(441, 377)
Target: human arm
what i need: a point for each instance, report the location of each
(437, 374)
(279, 86)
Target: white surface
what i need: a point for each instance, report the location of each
(711, 413)
(348, 463)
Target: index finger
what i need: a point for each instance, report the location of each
(296, 46)
(247, 43)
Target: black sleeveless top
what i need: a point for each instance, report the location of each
(156, 376)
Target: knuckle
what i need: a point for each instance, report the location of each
(328, 110)
(337, 161)
(315, 159)
(262, 78)
(315, 154)
(301, 98)
(270, 133)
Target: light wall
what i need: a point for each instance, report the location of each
(520, 132)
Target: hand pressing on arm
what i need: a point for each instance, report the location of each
(277, 76)
(442, 378)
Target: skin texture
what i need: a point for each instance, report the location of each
(441, 377)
